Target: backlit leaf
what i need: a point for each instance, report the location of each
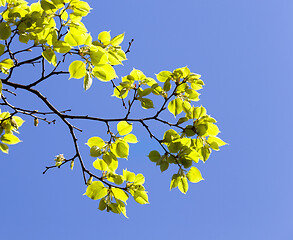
(175, 106)
(141, 197)
(10, 139)
(77, 69)
(104, 72)
(124, 128)
(120, 194)
(5, 31)
(194, 175)
(95, 141)
(96, 190)
(183, 184)
(130, 138)
(117, 40)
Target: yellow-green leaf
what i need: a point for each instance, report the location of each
(141, 197)
(105, 37)
(77, 69)
(116, 41)
(183, 184)
(5, 31)
(194, 175)
(95, 141)
(104, 72)
(10, 139)
(130, 138)
(96, 190)
(175, 106)
(128, 176)
(124, 128)
(100, 165)
(139, 179)
(4, 148)
(120, 194)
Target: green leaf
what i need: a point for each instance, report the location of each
(104, 37)
(124, 128)
(213, 129)
(167, 86)
(95, 151)
(95, 141)
(130, 138)
(192, 95)
(139, 179)
(141, 197)
(47, 5)
(122, 207)
(2, 49)
(164, 76)
(80, 8)
(183, 184)
(154, 156)
(194, 175)
(61, 47)
(24, 38)
(128, 176)
(77, 69)
(104, 72)
(186, 107)
(19, 121)
(64, 16)
(137, 74)
(7, 63)
(120, 92)
(147, 103)
(113, 58)
(199, 112)
(96, 190)
(175, 106)
(217, 140)
(201, 129)
(120, 148)
(98, 57)
(205, 152)
(87, 82)
(119, 194)
(100, 165)
(77, 37)
(116, 41)
(50, 56)
(111, 161)
(102, 204)
(189, 130)
(4, 148)
(174, 181)
(164, 166)
(10, 139)
(170, 135)
(5, 31)
(118, 179)
(145, 92)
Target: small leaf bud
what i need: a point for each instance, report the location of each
(36, 122)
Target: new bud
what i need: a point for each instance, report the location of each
(89, 181)
(36, 122)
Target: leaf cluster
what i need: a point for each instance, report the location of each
(51, 31)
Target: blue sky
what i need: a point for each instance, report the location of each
(243, 49)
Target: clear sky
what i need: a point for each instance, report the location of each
(243, 49)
